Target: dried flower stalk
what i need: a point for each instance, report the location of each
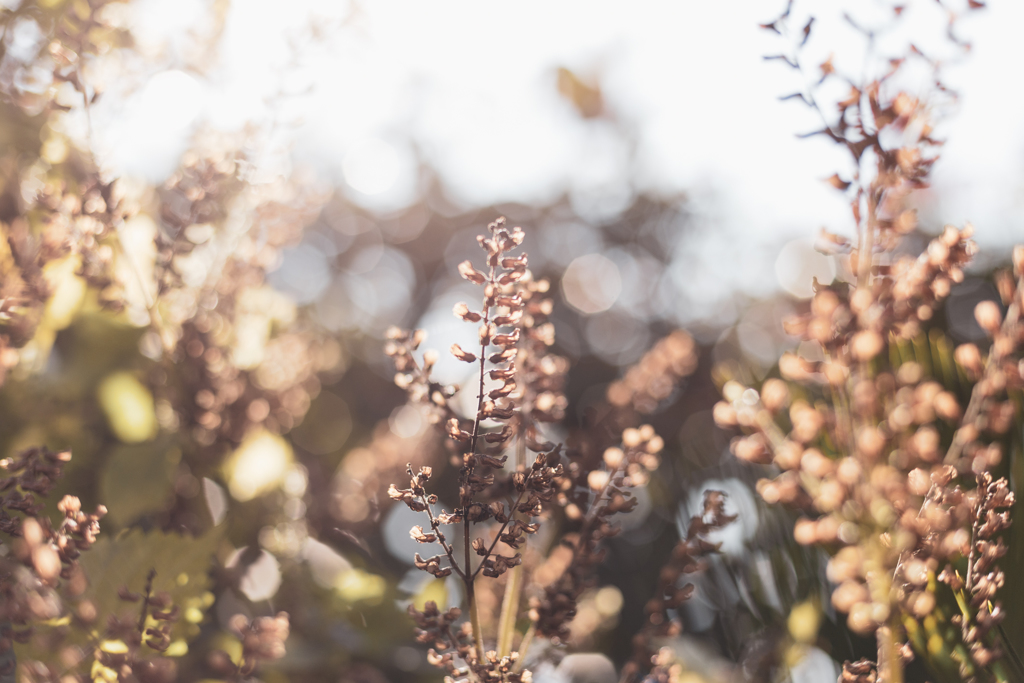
(863, 447)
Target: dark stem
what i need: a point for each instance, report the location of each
(511, 515)
(145, 601)
(469, 576)
(436, 526)
(982, 499)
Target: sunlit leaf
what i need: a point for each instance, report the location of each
(182, 564)
(129, 407)
(258, 465)
(138, 478)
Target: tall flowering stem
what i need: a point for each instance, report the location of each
(482, 447)
(862, 439)
(519, 386)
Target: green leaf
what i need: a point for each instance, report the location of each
(137, 479)
(182, 566)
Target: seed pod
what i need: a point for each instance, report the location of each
(464, 356)
(467, 271)
(461, 310)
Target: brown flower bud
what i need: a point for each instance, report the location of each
(847, 594)
(724, 415)
(750, 448)
(597, 480)
(805, 532)
(461, 310)
(467, 271)
(788, 455)
(989, 316)
(70, 504)
(860, 619)
(775, 394)
(921, 603)
(417, 534)
(631, 437)
(866, 344)
(918, 482)
(916, 572)
(849, 471)
(946, 406)
(46, 562)
(613, 457)
(845, 565)
(816, 464)
(969, 358)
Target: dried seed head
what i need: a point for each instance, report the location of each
(464, 356)
(470, 273)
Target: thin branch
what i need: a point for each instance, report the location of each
(504, 526)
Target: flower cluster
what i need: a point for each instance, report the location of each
(686, 558)
(505, 302)
(653, 379)
(984, 577)
(520, 387)
(263, 640)
(601, 495)
(135, 647)
(40, 570)
(541, 372)
(867, 423)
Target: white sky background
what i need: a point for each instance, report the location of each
(471, 85)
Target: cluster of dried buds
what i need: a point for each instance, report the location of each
(860, 426)
(644, 386)
(232, 354)
(446, 637)
(687, 557)
(133, 646)
(52, 553)
(541, 372)
(72, 38)
(860, 671)
(58, 212)
(38, 556)
(658, 373)
(984, 577)
(850, 323)
(263, 640)
(414, 377)
(600, 471)
(450, 640)
(193, 201)
(533, 489)
(871, 471)
(522, 386)
(512, 302)
(67, 232)
(594, 500)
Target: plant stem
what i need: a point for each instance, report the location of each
(509, 610)
(514, 586)
(474, 618)
(524, 646)
(469, 575)
(890, 666)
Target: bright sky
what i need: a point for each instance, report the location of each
(471, 86)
